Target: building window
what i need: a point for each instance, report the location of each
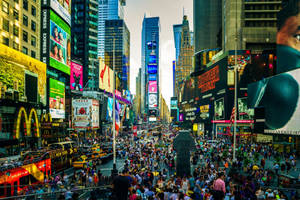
(16, 14)
(25, 20)
(33, 25)
(5, 25)
(33, 10)
(33, 41)
(25, 4)
(16, 31)
(33, 54)
(25, 36)
(25, 50)
(5, 40)
(15, 45)
(5, 7)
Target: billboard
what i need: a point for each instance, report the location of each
(244, 111)
(105, 77)
(109, 116)
(62, 8)
(152, 100)
(280, 97)
(152, 87)
(152, 59)
(152, 77)
(219, 109)
(85, 113)
(173, 103)
(60, 44)
(56, 99)
(152, 69)
(76, 77)
(22, 73)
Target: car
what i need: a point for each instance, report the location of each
(82, 162)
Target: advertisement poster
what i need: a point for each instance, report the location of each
(61, 7)
(280, 97)
(152, 69)
(152, 59)
(57, 99)
(110, 102)
(152, 77)
(244, 111)
(76, 77)
(95, 113)
(82, 113)
(219, 109)
(152, 86)
(173, 103)
(105, 77)
(152, 100)
(12, 75)
(60, 44)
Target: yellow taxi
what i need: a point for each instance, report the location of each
(95, 148)
(81, 162)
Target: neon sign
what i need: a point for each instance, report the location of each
(207, 81)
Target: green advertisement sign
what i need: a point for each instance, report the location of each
(57, 99)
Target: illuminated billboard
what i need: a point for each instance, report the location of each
(152, 59)
(280, 97)
(61, 7)
(56, 99)
(244, 111)
(152, 87)
(152, 100)
(152, 77)
(76, 77)
(85, 113)
(219, 109)
(152, 69)
(105, 77)
(21, 73)
(60, 44)
(173, 103)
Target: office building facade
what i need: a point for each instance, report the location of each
(177, 30)
(117, 45)
(84, 40)
(20, 26)
(107, 10)
(150, 65)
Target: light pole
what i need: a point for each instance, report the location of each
(235, 85)
(114, 170)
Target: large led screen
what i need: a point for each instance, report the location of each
(152, 58)
(244, 112)
(152, 100)
(60, 44)
(152, 69)
(152, 87)
(152, 77)
(23, 74)
(219, 109)
(105, 77)
(57, 99)
(61, 7)
(76, 77)
(280, 96)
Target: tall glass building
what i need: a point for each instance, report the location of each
(177, 30)
(150, 49)
(108, 10)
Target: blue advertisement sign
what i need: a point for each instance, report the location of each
(152, 59)
(152, 77)
(152, 69)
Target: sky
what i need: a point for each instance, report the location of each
(170, 13)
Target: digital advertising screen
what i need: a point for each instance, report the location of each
(152, 87)
(60, 44)
(152, 77)
(280, 97)
(76, 77)
(62, 7)
(173, 103)
(219, 109)
(152, 59)
(105, 77)
(152, 100)
(56, 99)
(152, 69)
(109, 116)
(244, 112)
(24, 74)
(95, 114)
(82, 113)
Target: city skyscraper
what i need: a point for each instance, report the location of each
(256, 23)
(207, 24)
(184, 65)
(150, 65)
(177, 30)
(118, 31)
(108, 10)
(20, 28)
(84, 40)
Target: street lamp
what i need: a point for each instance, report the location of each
(114, 170)
(235, 84)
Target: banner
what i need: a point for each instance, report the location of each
(105, 77)
(76, 77)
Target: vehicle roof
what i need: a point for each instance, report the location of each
(66, 142)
